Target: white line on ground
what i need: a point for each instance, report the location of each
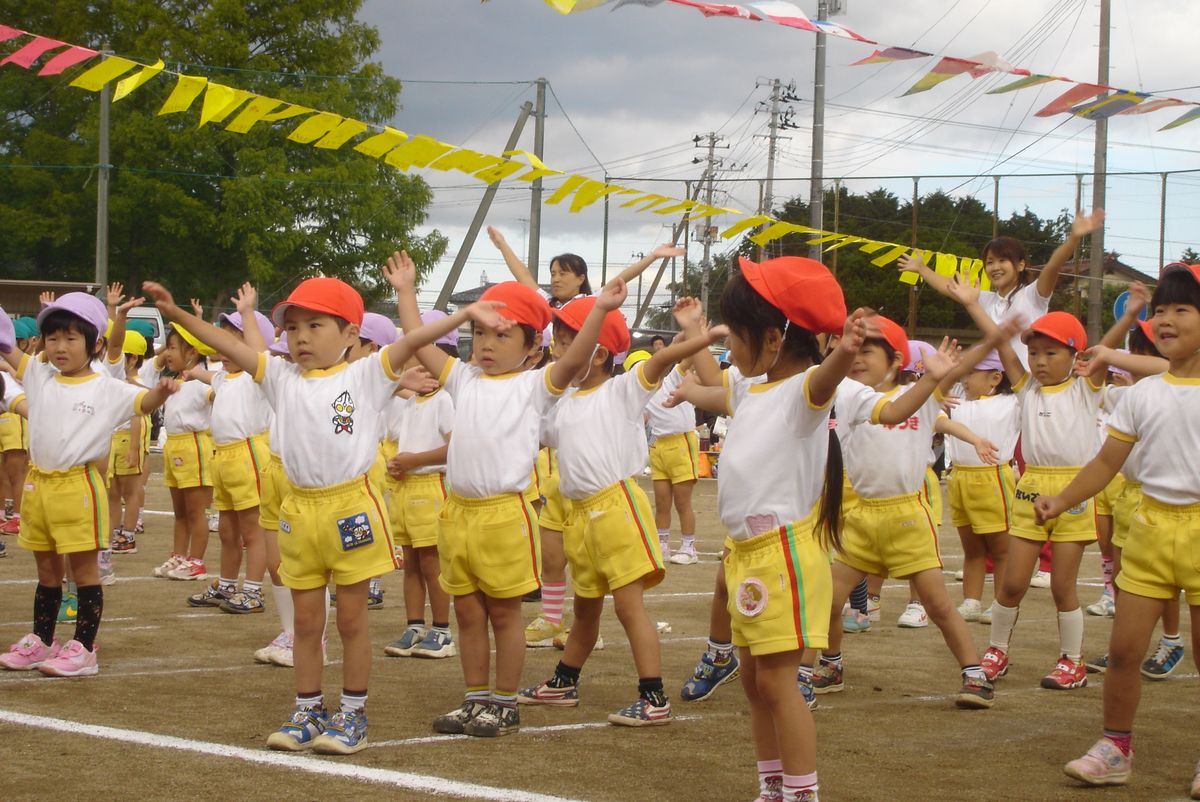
(436, 739)
(397, 779)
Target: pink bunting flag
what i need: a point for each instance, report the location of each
(31, 52)
(65, 59)
(944, 70)
(7, 33)
(717, 9)
(1076, 94)
(890, 54)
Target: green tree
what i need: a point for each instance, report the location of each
(204, 210)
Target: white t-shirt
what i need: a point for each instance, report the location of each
(1109, 401)
(328, 423)
(1025, 301)
(1058, 423)
(71, 419)
(598, 434)
(497, 427)
(676, 420)
(148, 374)
(13, 392)
(884, 460)
(190, 409)
(773, 458)
(240, 408)
(1161, 414)
(993, 417)
(421, 423)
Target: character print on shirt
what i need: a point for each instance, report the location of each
(343, 414)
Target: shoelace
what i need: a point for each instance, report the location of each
(1163, 652)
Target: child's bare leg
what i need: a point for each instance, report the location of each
(844, 580)
(1133, 625)
(309, 625)
(431, 569)
(355, 635)
(509, 632)
(255, 541)
(231, 544)
(932, 589)
(997, 547)
(974, 559)
(415, 584)
(643, 637)
(584, 631)
(474, 648)
(197, 499)
(795, 733)
(181, 527)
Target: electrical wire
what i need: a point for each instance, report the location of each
(573, 128)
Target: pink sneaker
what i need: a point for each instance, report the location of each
(1104, 764)
(12, 526)
(72, 661)
(28, 653)
(189, 569)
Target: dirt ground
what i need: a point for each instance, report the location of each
(181, 711)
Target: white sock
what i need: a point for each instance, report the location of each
(689, 541)
(328, 608)
(283, 605)
(1070, 633)
(1004, 619)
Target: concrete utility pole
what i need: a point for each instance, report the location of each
(710, 172)
(1099, 182)
(102, 168)
(773, 126)
(535, 200)
(816, 198)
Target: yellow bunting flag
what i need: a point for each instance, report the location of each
(417, 152)
(220, 101)
(779, 229)
(745, 225)
(127, 85)
(327, 130)
(585, 190)
(264, 110)
(465, 161)
(380, 144)
(95, 78)
(945, 265)
(895, 253)
(505, 169)
(540, 170)
(187, 89)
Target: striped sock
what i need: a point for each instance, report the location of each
(480, 694)
(505, 698)
(353, 701)
(1106, 570)
(770, 779)
(553, 594)
(719, 651)
(800, 787)
(858, 597)
(252, 588)
(227, 584)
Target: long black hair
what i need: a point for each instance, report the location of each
(750, 316)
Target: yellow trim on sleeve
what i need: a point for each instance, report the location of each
(878, 410)
(120, 360)
(728, 390)
(1020, 385)
(137, 402)
(938, 395)
(21, 367)
(808, 397)
(387, 364)
(260, 370)
(446, 368)
(646, 383)
(13, 404)
(1117, 434)
(550, 385)
(212, 394)
(1095, 388)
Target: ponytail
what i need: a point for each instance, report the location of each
(829, 513)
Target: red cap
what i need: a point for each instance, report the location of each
(614, 331)
(326, 296)
(1174, 266)
(895, 337)
(803, 289)
(1147, 329)
(1060, 326)
(521, 304)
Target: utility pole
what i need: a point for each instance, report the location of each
(535, 200)
(1099, 180)
(780, 119)
(710, 171)
(102, 168)
(816, 198)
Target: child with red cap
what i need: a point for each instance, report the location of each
(1160, 415)
(72, 414)
(332, 522)
(600, 438)
(1058, 434)
(487, 545)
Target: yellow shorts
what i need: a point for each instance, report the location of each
(414, 504)
(187, 460)
(490, 545)
(1106, 499)
(14, 432)
(378, 471)
(274, 489)
(676, 457)
(849, 495)
(894, 536)
(1124, 507)
(981, 497)
(1162, 554)
(339, 531)
(1076, 525)
(555, 509)
(780, 590)
(238, 473)
(932, 491)
(541, 469)
(64, 511)
(119, 450)
(611, 542)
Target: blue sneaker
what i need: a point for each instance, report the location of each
(1164, 660)
(408, 641)
(436, 645)
(854, 621)
(345, 734)
(804, 683)
(299, 732)
(707, 677)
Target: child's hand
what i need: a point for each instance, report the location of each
(911, 262)
(114, 294)
(962, 289)
(401, 464)
(401, 271)
(496, 237)
(1139, 299)
(1047, 508)
(666, 251)
(195, 372)
(46, 298)
(246, 301)
(1085, 224)
(951, 402)
(940, 363)
(717, 333)
(158, 294)
(123, 309)
(987, 451)
(612, 296)
(1093, 361)
(488, 314)
(854, 332)
(131, 458)
(1010, 327)
(418, 380)
(687, 313)
(197, 309)
(679, 394)
(167, 386)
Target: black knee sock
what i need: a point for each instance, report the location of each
(91, 605)
(46, 600)
(565, 676)
(858, 597)
(651, 689)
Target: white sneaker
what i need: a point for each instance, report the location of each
(1105, 607)
(958, 575)
(914, 616)
(985, 617)
(970, 609)
(665, 547)
(1041, 579)
(268, 653)
(108, 576)
(214, 522)
(686, 555)
(189, 570)
(171, 564)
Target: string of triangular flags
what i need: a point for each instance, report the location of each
(239, 111)
(1083, 99)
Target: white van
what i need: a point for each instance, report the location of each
(151, 315)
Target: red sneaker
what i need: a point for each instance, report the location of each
(1067, 674)
(12, 526)
(994, 663)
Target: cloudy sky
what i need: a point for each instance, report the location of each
(639, 83)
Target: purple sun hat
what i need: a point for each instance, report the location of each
(432, 315)
(8, 333)
(279, 347)
(265, 327)
(918, 351)
(86, 307)
(990, 362)
(378, 329)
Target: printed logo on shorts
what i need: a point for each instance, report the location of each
(355, 531)
(751, 597)
(177, 462)
(343, 414)
(285, 527)
(1078, 509)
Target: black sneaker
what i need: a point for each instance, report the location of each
(495, 720)
(1096, 665)
(976, 694)
(532, 596)
(212, 596)
(455, 722)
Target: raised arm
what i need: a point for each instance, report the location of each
(967, 294)
(824, 381)
(709, 399)
(157, 395)
(119, 312)
(985, 448)
(999, 335)
(657, 366)
(1091, 479)
(915, 263)
(518, 268)
(401, 272)
(1139, 297)
(246, 301)
(241, 354)
(690, 317)
(637, 268)
(937, 366)
(1083, 225)
(1101, 357)
(567, 367)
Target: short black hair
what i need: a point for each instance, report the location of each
(658, 338)
(1139, 343)
(575, 264)
(62, 320)
(532, 335)
(1176, 286)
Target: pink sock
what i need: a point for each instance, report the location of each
(800, 787)
(1106, 569)
(553, 594)
(770, 779)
